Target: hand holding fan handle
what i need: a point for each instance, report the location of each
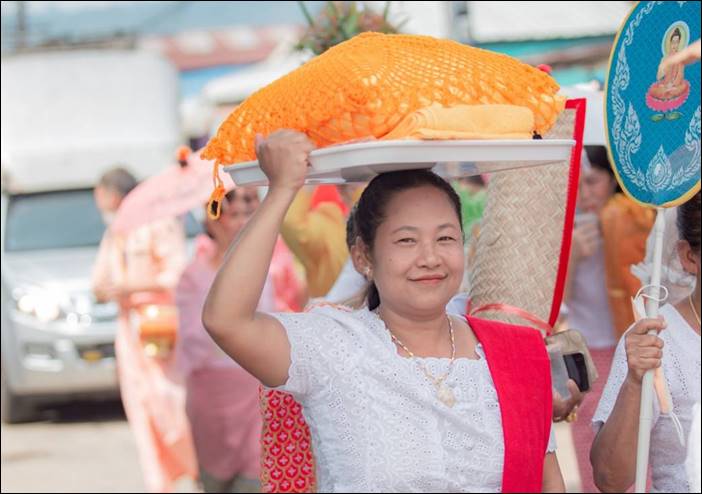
(646, 414)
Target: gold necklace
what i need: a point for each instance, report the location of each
(443, 392)
(694, 311)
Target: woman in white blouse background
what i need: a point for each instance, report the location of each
(380, 422)
(677, 349)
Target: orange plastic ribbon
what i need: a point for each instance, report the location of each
(510, 309)
(214, 205)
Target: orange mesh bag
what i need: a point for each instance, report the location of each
(365, 86)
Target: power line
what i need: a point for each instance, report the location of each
(154, 19)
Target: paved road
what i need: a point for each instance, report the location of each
(82, 447)
(87, 447)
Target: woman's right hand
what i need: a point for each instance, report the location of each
(284, 158)
(644, 352)
(586, 240)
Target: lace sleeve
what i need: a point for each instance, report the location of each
(617, 374)
(309, 369)
(692, 463)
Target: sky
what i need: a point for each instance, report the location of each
(75, 20)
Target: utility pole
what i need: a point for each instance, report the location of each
(21, 33)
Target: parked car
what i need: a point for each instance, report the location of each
(67, 117)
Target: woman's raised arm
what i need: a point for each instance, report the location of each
(258, 342)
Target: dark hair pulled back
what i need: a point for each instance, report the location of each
(688, 221)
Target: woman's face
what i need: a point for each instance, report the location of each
(250, 198)
(107, 201)
(596, 187)
(235, 214)
(417, 259)
(674, 44)
(691, 260)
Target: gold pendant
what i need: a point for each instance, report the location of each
(445, 395)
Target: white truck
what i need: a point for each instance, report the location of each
(67, 117)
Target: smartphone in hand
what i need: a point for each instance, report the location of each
(577, 370)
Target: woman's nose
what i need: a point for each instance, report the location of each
(584, 194)
(428, 256)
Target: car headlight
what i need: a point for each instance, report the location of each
(45, 305)
(79, 310)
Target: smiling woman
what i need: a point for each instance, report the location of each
(398, 220)
(399, 396)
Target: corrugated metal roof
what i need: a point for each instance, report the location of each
(492, 21)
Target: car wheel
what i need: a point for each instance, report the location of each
(15, 409)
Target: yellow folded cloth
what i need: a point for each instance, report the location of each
(466, 122)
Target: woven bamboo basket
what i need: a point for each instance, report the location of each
(518, 246)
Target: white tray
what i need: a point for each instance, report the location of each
(362, 161)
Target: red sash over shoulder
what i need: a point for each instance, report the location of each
(521, 372)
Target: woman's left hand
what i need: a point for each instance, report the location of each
(562, 409)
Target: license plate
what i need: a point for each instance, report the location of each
(92, 355)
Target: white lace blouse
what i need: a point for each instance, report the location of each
(375, 420)
(681, 366)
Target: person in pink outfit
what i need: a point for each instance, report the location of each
(288, 283)
(138, 270)
(222, 399)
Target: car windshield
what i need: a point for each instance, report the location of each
(58, 220)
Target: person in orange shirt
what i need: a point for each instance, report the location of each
(138, 270)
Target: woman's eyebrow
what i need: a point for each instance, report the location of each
(415, 229)
(406, 227)
(447, 225)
